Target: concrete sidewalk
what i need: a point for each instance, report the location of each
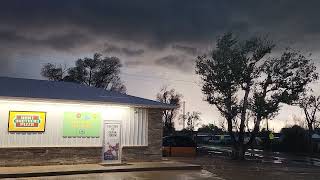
(56, 170)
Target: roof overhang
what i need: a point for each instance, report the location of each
(164, 107)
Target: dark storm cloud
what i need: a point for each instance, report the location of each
(110, 48)
(181, 62)
(164, 21)
(63, 25)
(186, 49)
(156, 22)
(64, 41)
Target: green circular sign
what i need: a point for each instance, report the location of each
(271, 136)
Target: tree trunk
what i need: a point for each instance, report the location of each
(310, 132)
(255, 131)
(242, 151)
(243, 115)
(235, 144)
(238, 152)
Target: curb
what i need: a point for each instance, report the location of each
(73, 172)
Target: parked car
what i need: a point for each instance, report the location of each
(203, 138)
(221, 139)
(178, 146)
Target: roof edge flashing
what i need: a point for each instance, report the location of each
(39, 100)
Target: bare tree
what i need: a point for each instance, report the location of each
(222, 124)
(192, 119)
(299, 121)
(310, 105)
(173, 98)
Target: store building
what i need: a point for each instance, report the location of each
(45, 122)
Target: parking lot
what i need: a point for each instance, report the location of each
(144, 175)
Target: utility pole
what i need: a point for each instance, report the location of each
(184, 113)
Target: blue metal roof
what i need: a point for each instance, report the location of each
(43, 89)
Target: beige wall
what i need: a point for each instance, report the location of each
(133, 121)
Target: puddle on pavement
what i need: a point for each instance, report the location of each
(307, 161)
(261, 156)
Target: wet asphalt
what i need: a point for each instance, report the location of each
(144, 175)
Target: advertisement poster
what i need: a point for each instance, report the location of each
(81, 124)
(27, 121)
(112, 146)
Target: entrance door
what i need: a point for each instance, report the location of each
(112, 142)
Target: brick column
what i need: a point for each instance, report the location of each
(152, 152)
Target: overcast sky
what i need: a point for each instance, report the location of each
(156, 40)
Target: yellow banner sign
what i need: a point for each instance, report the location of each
(27, 121)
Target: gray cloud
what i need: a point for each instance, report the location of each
(183, 25)
(61, 42)
(166, 21)
(186, 49)
(180, 62)
(134, 63)
(67, 41)
(110, 48)
(5, 66)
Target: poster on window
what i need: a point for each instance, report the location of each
(26, 121)
(112, 143)
(81, 124)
